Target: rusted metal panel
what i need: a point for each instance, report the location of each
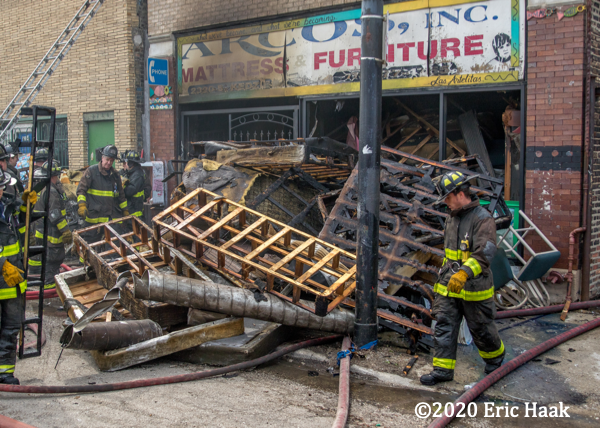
(410, 225)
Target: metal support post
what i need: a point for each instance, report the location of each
(442, 127)
(365, 325)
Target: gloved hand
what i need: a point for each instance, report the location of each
(457, 281)
(30, 196)
(82, 211)
(11, 274)
(125, 213)
(67, 236)
(125, 182)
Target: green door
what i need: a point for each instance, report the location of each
(100, 134)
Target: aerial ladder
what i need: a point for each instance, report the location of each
(46, 67)
(21, 104)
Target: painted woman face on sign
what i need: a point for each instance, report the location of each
(501, 46)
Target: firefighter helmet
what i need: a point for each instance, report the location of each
(6, 179)
(132, 156)
(110, 152)
(41, 154)
(56, 169)
(451, 181)
(3, 152)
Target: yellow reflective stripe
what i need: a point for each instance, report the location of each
(11, 250)
(445, 363)
(473, 265)
(81, 198)
(81, 260)
(469, 296)
(35, 262)
(49, 286)
(63, 212)
(107, 193)
(137, 213)
(62, 224)
(139, 194)
(52, 239)
(6, 369)
(456, 255)
(489, 355)
(23, 208)
(11, 293)
(96, 220)
(22, 230)
(123, 205)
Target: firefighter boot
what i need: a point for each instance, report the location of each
(9, 379)
(436, 376)
(491, 366)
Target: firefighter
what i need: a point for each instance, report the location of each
(136, 188)
(100, 193)
(11, 192)
(464, 286)
(12, 285)
(59, 233)
(13, 158)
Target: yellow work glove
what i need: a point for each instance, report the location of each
(12, 274)
(125, 213)
(457, 282)
(82, 211)
(67, 236)
(30, 196)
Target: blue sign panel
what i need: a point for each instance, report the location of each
(158, 71)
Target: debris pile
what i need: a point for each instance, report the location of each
(267, 231)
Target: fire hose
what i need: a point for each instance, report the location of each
(512, 365)
(546, 309)
(69, 389)
(341, 415)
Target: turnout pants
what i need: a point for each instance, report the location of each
(448, 312)
(10, 324)
(54, 258)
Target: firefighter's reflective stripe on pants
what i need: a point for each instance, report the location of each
(49, 286)
(35, 262)
(469, 296)
(494, 354)
(444, 363)
(7, 369)
(11, 292)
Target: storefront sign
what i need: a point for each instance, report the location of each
(453, 44)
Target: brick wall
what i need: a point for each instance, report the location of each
(595, 142)
(167, 17)
(162, 127)
(555, 53)
(97, 74)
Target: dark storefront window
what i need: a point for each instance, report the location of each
(61, 139)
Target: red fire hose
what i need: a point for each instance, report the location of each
(546, 309)
(34, 295)
(167, 379)
(344, 393)
(513, 364)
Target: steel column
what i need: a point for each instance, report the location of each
(365, 325)
(442, 127)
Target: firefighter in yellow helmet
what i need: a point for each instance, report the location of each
(464, 286)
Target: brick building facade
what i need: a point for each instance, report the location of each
(102, 73)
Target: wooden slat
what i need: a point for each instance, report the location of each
(273, 239)
(341, 280)
(221, 222)
(408, 137)
(293, 254)
(317, 266)
(258, 223)
(197, 214)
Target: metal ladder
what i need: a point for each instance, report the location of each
(31, 216)
(46, 67)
